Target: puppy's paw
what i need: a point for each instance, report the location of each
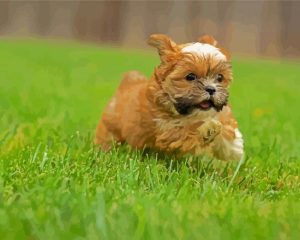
(209, 130)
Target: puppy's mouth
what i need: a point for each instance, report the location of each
(185, 108)
(205, 105)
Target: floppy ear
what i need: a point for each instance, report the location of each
(166, 47)
(210, 40)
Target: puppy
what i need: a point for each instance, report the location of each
(181, 109)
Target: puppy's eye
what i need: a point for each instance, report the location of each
(191, 77)
(220, 77)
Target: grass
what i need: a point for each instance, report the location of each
(55, 185)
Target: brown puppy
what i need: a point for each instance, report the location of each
(181, 109)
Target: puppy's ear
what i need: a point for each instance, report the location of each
(166, 47)
(210, 40)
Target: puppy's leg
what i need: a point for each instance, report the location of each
(103, 138)
(209, 130)
(107, 131)
(229, 144)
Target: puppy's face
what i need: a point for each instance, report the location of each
(194, 77)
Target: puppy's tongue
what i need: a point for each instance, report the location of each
(205, 104)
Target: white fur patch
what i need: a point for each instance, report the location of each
(205, 50)
(112, 106)
(238, 143)
(112, 103)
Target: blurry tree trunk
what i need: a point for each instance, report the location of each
(112, 20)
(194, 30)
(20, 15)
(133, 32)
(157, 18)
(290, 29)
(245, 28)
(225, 10)
(99, 21)
(43, 17)
(62, 16)
(178, 21)
(4, 15)
(270, 44)
(201, 19)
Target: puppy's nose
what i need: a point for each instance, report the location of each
(210, 89)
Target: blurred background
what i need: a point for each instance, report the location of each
(252, 28)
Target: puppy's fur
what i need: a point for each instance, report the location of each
(173, 110)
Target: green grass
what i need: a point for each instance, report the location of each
(55, 185)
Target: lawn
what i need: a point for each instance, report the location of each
(55, 185)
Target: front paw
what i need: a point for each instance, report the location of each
(209, 130)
